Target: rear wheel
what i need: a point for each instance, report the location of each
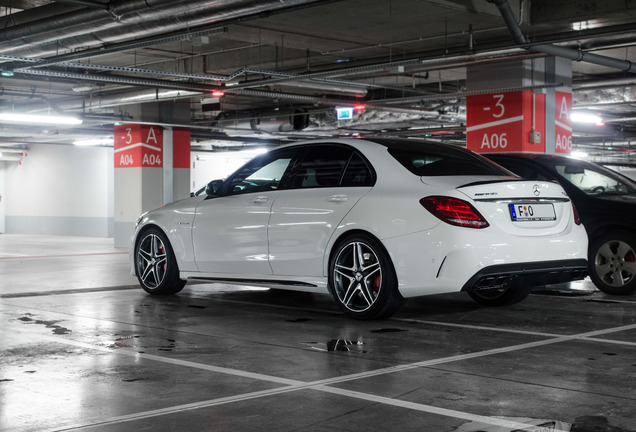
(155, 264)
(612, 262)
(510, 294)
(362, 279)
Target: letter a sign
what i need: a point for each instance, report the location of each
(138, 146)
(563, 123)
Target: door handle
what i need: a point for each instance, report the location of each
(337, 198)
(259, 199)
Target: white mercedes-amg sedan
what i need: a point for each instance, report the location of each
(372, 221)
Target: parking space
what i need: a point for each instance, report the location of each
(85, 349)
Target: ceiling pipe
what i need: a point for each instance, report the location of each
(554, 50)
(87, 3)
(122, 79)
(596, 84)
(61, 23)
(137, 17)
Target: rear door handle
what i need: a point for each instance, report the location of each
(259, 199)
(337, 198)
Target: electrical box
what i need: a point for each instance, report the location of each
(535, 137)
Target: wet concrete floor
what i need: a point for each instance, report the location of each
(84, 349)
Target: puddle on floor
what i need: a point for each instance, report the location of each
(56, 329)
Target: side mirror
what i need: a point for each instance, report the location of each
(213, 188)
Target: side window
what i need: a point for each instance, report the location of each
(590, 181)
(263, 173)
(322, 166)
(357, 173)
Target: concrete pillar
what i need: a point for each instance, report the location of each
(520, 119)
(152, 168)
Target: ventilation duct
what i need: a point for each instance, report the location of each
(554, 50)
(270, 121)
(124, 18)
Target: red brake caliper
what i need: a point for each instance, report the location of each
(377, 281)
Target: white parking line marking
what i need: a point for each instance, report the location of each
(323, 385)
(289, 385)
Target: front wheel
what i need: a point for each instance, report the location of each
(155, 264)
(362, 279)
(612, 262)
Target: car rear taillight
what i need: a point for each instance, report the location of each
(454, 211)
(577, 218)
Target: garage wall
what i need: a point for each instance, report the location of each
(65, 190)
(69, 190)
(208, 166)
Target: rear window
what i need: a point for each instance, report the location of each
(444, 161)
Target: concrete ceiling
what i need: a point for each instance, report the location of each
(274, 60)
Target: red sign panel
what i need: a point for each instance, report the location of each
(506, 122)
(563, 122)
(138, 146)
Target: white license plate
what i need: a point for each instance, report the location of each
(532, 212)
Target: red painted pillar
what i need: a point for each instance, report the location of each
(532, 118)
(152, 168)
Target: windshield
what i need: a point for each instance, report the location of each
(595, 180)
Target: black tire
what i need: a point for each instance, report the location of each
(155, 264)
(612, 262)
(505, 296)
(362, 279)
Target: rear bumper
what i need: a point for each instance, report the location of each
(527, 274)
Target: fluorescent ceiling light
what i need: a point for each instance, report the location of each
(579, 154)
(583, 117)
(42, 119)
(94, 141)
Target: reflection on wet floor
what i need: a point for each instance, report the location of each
(517, 424)
(93, 352)
(582, 424)
(341, 345)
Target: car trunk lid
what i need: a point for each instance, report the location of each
(521, 207)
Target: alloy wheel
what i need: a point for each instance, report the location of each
(151, 261)
(615, 263)
(357, 276)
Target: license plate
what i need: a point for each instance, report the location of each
(521, 212)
